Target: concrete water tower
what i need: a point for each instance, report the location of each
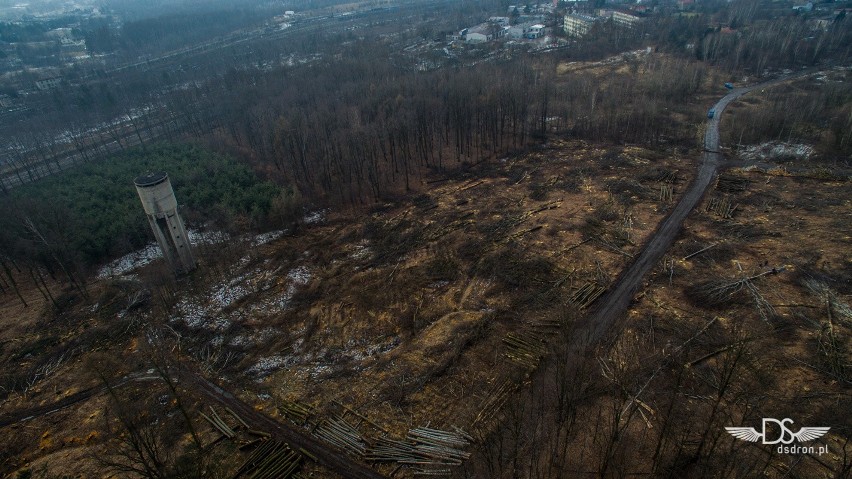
(158, 199)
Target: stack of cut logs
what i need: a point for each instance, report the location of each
(271, 459)
(723, 207)
(732, 184)
(295, 411)
(338, 432)
(525, 348)
(584, 296)
(429, 450)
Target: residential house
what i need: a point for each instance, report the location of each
(535, 31)
(524, 30)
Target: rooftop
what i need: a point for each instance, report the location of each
(151, 179)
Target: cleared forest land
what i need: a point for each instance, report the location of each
(424, 333)
(409, 315)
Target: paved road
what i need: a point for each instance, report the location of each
(612, 306)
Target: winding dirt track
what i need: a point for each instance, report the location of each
(612, 305)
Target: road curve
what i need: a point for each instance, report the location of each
(612, 305)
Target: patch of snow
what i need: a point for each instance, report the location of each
(130, 261)
(264, 238)
(361, 251)
(241, 341)
(319, 370)
(298, 276)
(223, 295)
(776, 150)
(192, 314)
(314, 217)
(197, 238)
(268, 365)
(151, 252)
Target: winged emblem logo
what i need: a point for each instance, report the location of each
(787, 435)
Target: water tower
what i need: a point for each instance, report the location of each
(158, 199)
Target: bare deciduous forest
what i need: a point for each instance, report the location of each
(400, 236)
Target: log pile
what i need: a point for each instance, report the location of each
(271, 459)
(722, 207)
(585, 295)
(429, 450)
(219, 424)
(525, 348)
(731, 184)
(666, 193)
(336, 431)
(668, 176)
(295, 411)
(494, 401)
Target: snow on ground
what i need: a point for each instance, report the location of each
(206, 311)
(264, 238)
(197, 238)
(212, 310)
(775, 150)
(151, 252)
(298, 276)
(225, 294)
(314, 217)
(361, 251)
(268, 365)
(130, 261)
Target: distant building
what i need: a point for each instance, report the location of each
(821, 23)
(61, 34)
(48, 83)
(484, 32)
(535, 31)
(577, 25)
(580, 6)
(476, 37)
(502, 21)
(626, 19)
(525, 30)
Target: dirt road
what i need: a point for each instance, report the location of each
(297, 439)
(612, 306)
(190, 379)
